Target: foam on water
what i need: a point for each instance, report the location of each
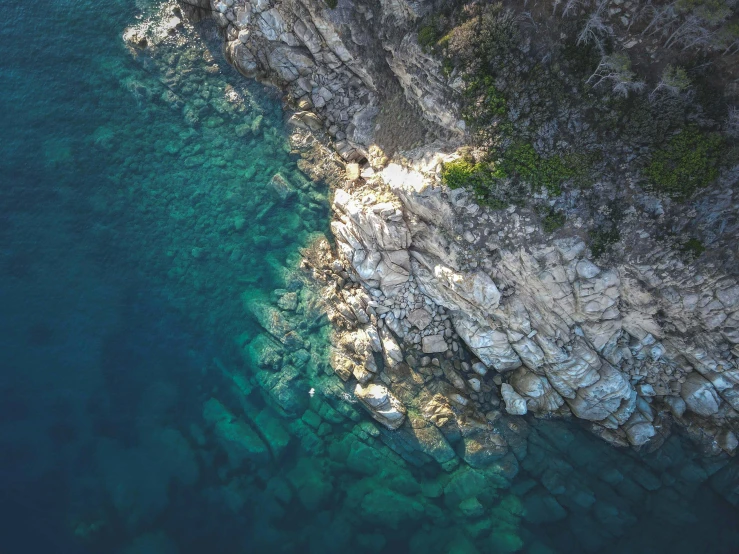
(151, 214)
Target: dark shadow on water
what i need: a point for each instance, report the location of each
(150, 344)
(31, 517)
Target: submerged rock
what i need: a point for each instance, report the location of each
(390, 509)
(240, 442)
(465, 484)
(483, 448)
(273, 432)
(286, 390)
(311, 483)
(430, 440)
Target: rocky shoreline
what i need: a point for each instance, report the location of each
(463, 309)
(451, 321)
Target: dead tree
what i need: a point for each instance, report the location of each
(570, 7)
(674, 81)
(700, 26)
(663, 18)
(616, 70)
(595, 29)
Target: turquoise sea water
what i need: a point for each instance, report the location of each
(143, 238)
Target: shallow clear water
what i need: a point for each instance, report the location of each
(141, 236)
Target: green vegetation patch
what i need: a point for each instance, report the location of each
(428, 36)
(332, 3)
(602, 238)
(686, 164)
(693, 248)
(481, 178)
(521, 160)
(494, 184)
(553, 220)
(482, 47)
(484, 101)
(458, 174)
(479, 43)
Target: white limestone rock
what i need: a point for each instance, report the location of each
(677, 405)
(587, 269)
(392, 353)
(599, 400)
(474, 293)
(727, 440)
(700, 396)
(381, 404)
(374, 338)
(515, 404)
(540, 396)
(419, 318)
(491, 346)
(433, 344)
(480, 369)
(530, 353)
(639, 430)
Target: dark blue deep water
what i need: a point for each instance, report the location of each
(142, 232)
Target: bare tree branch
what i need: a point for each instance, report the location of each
(616, 70)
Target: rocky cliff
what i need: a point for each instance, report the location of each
(342, 68)
(449, 314)
(628, 348)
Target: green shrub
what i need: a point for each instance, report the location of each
(482, 179)
(427, 36)
(457, 174)
(484, 108)
(687, 163)
(332, 3)
(495, 34)
(481, 47)
(489, 99)
(602, 238)
(447, 67)
(521, 160)
(581, 166)
(553, 220)
(693, 248)
(461, 44)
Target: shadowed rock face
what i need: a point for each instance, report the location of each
(341, 65)
(469, 305)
